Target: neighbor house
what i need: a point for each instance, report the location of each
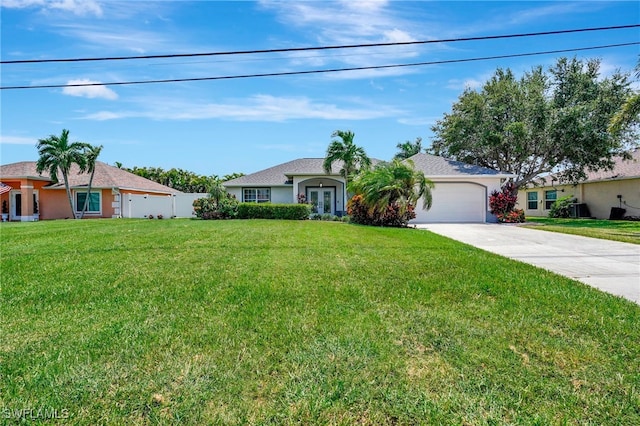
(461, 190)
(29, 196)
(596, 196)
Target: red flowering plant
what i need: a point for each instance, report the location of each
(502, 204)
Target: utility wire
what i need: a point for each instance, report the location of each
(276, 74)
(301, 49)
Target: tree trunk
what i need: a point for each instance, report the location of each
(66, 186)
(86, 200)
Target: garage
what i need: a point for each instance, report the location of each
(455, 202)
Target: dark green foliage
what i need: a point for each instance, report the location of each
(408, 149)
(388, 194)
(561, 208)
(342, 149)
(225, 207)
(57, 155)
(392, 216)
(273, 211)
(182, 180)
(546, 120)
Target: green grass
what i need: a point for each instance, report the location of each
(625, 231)
(275, 322)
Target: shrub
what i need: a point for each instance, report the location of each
(273, 211)
(208, 208)
(502, 203)
(562, 207)
(514, 216)
(359, 213)
(326, 217)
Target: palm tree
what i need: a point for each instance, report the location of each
(396, 183)
(58, 155)
(217, 191)
(408, 149)
(91, 155)
(353, 157)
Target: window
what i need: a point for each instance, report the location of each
(549, 198)
(532, 200)
(256, 195)
(94, 202)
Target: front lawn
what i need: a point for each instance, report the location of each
(626, 231)
(236, 322)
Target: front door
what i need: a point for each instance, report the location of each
(322, 200)
(17, 205)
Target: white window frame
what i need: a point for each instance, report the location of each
(533, 206)
(548, 202)
(78, 206)
(255, 198)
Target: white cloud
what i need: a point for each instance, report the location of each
(469, 83)
(139, 41)
(95, 91)
(17, 140)
(351, 22)
(77, 7)
(397, 36)
(265, 108)
(419, 121)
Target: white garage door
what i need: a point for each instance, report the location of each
(454, 202)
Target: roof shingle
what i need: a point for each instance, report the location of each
(433, 165)
(106, 176)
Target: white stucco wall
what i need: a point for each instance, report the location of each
(282, 195)
(466, 199)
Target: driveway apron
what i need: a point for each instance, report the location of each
(610, 266)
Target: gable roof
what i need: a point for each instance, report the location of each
(282, 173)
(106, 176)
(622, 169)
(435, 166)
(431, 165)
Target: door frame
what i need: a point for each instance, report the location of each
(332, 191)
(13, 203)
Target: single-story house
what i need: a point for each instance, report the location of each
(461, 190)
(595, 196)
(28, 196)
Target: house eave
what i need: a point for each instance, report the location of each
(40, 178)
(498, 176)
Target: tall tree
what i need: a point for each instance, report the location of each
(353, 157)
(57, 156)
(628, 117)
(91, 154)
(545, 121)
(397, 183)
(179, 179)
(408, 149)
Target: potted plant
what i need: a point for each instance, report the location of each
(5, 210)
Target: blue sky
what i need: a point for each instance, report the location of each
(244, 125)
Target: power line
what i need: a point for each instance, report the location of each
(301, 49)
(277, 74)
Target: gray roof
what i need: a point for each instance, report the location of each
(435, 166)
(431, 165)
(282, 173)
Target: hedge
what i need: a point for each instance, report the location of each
(273, 211)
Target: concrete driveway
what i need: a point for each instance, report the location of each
(610, 266)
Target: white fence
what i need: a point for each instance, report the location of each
(139, 206)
